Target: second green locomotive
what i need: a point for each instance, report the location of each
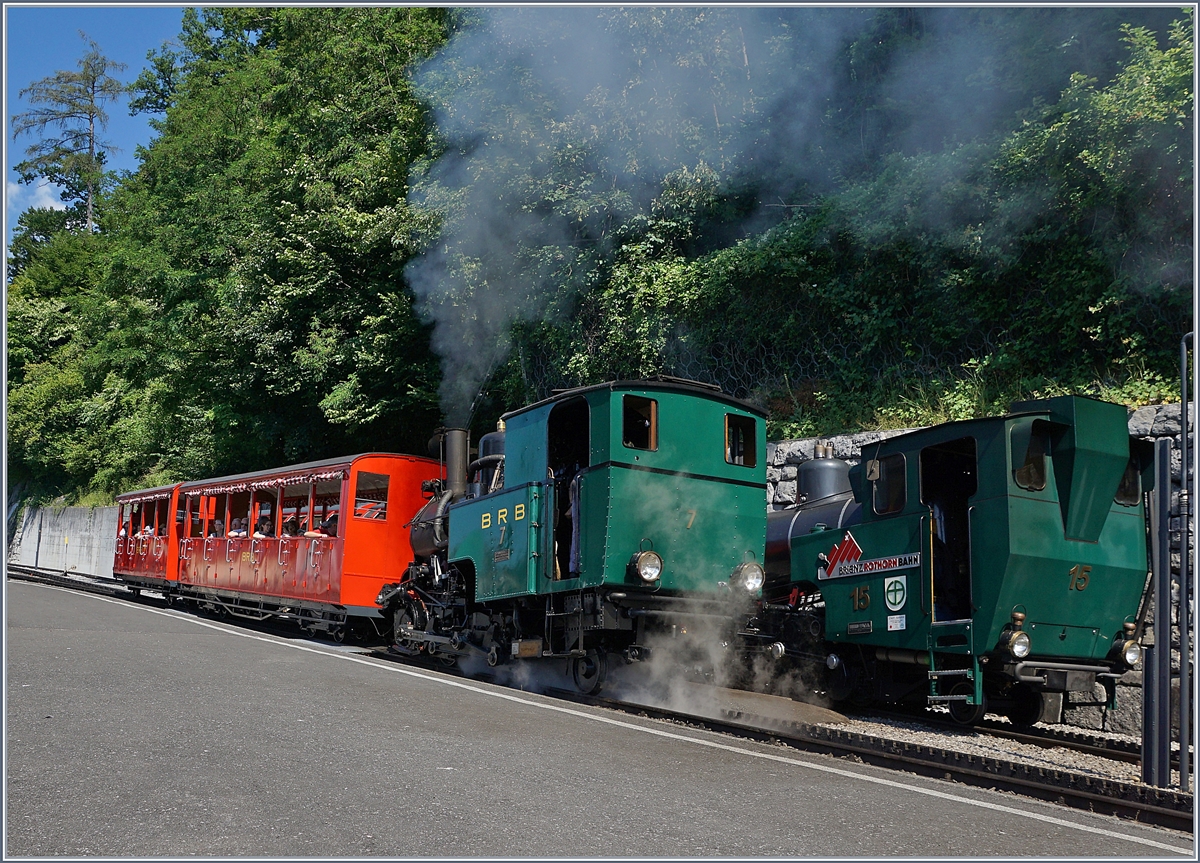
(977, 564)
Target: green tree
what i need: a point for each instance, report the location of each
(70, 116)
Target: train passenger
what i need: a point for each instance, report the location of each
(264, 528)
(326, 528)
(237, 528)
(217, 528)
(291, 527)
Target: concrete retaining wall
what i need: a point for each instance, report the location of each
(77, 538)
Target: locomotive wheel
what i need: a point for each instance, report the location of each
(403, 621)
(589, 671)
(960, 711)
(1026, 706)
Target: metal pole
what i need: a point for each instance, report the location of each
(1185, 533)
(1156, 682)
(1150, 729)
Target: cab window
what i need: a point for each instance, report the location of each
(889, 491)
(640, 425)
(1031, 475)
(1129, 492)
(740, 446)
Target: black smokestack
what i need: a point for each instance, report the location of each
(457, 446)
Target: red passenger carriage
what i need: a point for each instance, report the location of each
(146, 534)
(312, 542)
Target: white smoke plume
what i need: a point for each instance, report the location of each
(561, 125)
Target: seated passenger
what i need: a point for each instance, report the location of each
(265, 528)
(291, 527)
(326, 528)
(237, 528)
(217, 528)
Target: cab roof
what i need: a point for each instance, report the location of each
(658, 382)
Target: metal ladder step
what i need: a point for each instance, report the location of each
(948, 697)
(950, 672)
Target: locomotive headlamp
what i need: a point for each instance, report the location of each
(647, 564)
(1131, 652)
(1017, 643)
(749, 575)
(1020, 645)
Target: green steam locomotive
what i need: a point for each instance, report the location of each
(588, 525)
(982, 565)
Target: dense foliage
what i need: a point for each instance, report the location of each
(855, 217)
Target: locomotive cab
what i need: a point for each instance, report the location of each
(996, 560)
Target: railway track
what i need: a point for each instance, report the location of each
(58, 578)
(1162, 807)
(1047, 738)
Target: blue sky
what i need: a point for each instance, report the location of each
(40, 40)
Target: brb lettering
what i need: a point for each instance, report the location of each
(518, 514)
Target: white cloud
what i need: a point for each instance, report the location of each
(20, 197)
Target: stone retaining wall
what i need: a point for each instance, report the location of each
(1085, 710)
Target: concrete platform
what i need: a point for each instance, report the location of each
(134, 731)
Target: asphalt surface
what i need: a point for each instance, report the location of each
(134, 731)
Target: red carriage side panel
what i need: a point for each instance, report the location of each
(384, 493)
(298, 533)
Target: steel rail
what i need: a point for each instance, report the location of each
(1046, 738)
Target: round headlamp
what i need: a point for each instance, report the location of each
(1131, 652)
(648, 565)
(749, 575)
(1019, 645)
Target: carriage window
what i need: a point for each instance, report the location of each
(295, 509)
(327, 504)
(161, 510)
(1031, 475)
(888, 476)
(1129, 492)
(214, 508)
(194, 527)
(181, 514)
(370, 495)
(640, 426)
(262, 519)
(740, 447)
(239, 513)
